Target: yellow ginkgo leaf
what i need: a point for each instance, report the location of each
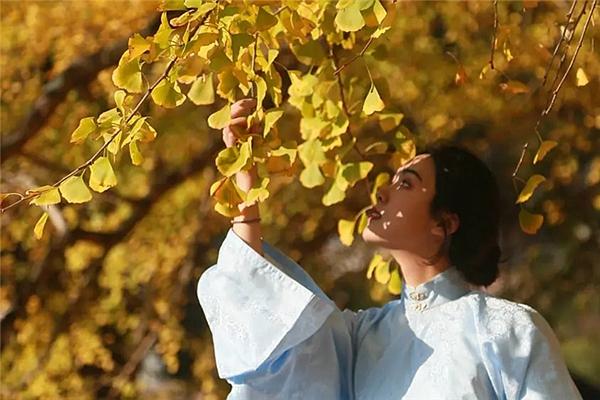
(128, 74)
(168, 94)
(532, 183)
(220, 118)
(102, 176)
(86, 126)
(202, 91)
(544, 148)
(74, 190)
(581, 77)
(373, 102)
(47, 197)
(38, 230)
(530, 223)
(334, 195)
(134, 153)
(349, 19)
(346, 231)
(382, 272)
(375, 261)
(312, 176)
(395, 283)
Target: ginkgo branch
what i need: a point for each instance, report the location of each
(560, 41)
(362, 52)
(107, 143)
(495, 31)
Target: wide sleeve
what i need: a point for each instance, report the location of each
(257, 307)
(522, 353)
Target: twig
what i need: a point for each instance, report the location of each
(362, 52)
(561, 40)
(105, 145)
(493, 46)
(557, 89)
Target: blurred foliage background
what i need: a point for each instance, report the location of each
(105, 306)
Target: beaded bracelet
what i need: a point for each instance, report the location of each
(233, 221)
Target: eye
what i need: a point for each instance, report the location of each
(405, 183)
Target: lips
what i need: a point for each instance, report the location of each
(373, 213)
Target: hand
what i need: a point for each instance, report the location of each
(236, 127)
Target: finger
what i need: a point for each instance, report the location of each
(239, 121)
(229, 137)
(243, 107)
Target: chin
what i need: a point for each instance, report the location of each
(371, 237)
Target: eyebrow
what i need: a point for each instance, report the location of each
(412, 171)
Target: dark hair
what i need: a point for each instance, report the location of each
(466, 186)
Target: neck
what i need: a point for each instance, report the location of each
(415, 269)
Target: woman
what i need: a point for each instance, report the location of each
(278, 336)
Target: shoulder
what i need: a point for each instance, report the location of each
(499, 319)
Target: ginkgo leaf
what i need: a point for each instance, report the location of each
(311, 152)
(168, 94)
(102, 176)
(74, 190)
(230, 160)
(581, 77)
(219, 119)
(202, 91)
(363, 220)
(355, 171)
(544, 148)
(128, 74)
(532, 183)
(373, 102)
(375, 261)
(265, 20)
(382, 272)
(50, 195)
(334, 195)
(395, 282)
(346, 231)
(514, 87)
(134, 153)
(138, 45)
(259, 193)
(84, 129)
(271, 117)
(38, 230)
(530, 223)
(388, 121)
(311, 176)
(349, 19)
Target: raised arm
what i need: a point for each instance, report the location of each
(250, 232)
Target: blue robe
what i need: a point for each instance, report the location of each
(278, 336)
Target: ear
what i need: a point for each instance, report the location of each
(451, 221)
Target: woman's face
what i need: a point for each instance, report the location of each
(406, 223)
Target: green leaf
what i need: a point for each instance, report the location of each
(346, 231)
(231, 160)
(138, 45)
(49, 195)
(258, 193)
(349, 19)
(38, 230)
(334, 195)
(102, 176)
(530, 223)
(532, 183)
(544, 148)
(271, 117)
(388, 121)
(311, 152)
(219, 119)
(265, 20)
(354, 172)
(311, 176)
(202, 91)
(219, 60)
(373, 101)
(379, 11)
(167, 94)
(85, 128)
(74, 190)
(128, 74)
(395, 283)
(239, 41)
(134, 153)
